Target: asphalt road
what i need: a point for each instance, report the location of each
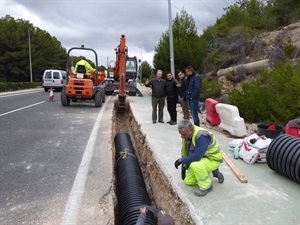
(55, 161)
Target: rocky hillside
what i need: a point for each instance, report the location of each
(291, 32)
(271, 44)
(271, 47)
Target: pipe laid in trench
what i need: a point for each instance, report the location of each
(130, 185)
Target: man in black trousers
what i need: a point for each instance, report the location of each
(172, 97)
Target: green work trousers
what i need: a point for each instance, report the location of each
(199, 173)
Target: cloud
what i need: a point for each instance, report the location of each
(99, 23)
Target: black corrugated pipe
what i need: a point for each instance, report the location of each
(130, 185)
(283, 156)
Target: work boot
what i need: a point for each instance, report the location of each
(201, 193)
(219, 175)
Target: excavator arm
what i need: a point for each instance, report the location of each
(121, 54)
(125, 80)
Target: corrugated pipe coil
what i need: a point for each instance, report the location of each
(283, 156)
(130, 186)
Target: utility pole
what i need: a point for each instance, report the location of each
(30, 66)
(171, 40)
(141, 64)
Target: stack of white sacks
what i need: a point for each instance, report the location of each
(252, 149)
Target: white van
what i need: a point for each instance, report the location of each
(55, 79)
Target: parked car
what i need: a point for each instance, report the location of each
(54, 78)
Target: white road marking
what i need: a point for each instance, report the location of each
(25, 107)
(72, 208)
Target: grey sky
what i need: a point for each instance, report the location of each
(98, 24)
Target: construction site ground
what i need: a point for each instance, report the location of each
(267, 198)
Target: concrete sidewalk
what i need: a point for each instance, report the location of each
(267, 198)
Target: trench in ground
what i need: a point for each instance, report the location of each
(160, 191)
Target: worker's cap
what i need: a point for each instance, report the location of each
(164, 219)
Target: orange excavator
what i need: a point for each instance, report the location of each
(125, 72)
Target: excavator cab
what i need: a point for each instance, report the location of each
(82, 86)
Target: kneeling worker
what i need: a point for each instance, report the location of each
(200, 155)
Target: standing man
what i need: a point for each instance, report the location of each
(182, 94)
(200, 155)
(172, 98)
(193, 92)
(158, 96)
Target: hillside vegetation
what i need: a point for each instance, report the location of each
(249, 31)
(272, 93)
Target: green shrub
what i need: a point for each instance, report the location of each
(290, 49)
(14, 86)
(274, 97)
(210, 89)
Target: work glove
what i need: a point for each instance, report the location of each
(183, 173)
(177, 163)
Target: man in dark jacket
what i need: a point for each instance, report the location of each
(172, 98)
(158, 96)
(182, 93)
(193, 92)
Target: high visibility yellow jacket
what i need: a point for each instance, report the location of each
(213, 151)
(85, 63)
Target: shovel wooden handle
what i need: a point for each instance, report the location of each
(235, 170)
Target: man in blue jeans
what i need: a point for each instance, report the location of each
(193, 92)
